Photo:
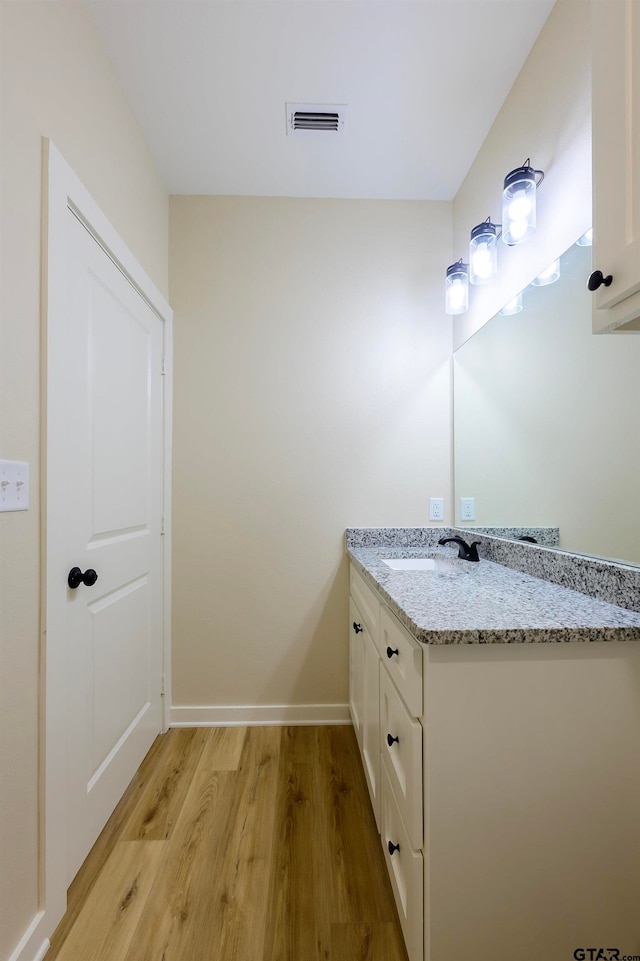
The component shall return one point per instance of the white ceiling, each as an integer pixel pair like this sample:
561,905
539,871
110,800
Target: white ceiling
424,79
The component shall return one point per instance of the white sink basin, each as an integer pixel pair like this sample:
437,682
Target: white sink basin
421,564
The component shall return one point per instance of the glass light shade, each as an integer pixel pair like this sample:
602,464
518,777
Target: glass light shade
513,306
483,253
548,276
587,239
519,205
457,288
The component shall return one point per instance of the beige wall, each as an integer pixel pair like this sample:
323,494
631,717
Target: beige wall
546,117
56,82
311,393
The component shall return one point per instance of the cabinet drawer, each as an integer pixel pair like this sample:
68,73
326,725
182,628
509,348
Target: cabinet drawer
405,868
402,656
367,601
402,758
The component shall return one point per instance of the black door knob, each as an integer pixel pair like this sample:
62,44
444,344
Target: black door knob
392,740
393,848
597,279
358,628
391,651
76,578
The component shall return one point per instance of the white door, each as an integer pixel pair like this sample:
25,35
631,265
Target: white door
111,382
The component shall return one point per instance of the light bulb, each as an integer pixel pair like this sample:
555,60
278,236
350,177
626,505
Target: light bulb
513,306
518,229
519,204
548,276
483,253
520,207
587,238
457,288
482,262
456,294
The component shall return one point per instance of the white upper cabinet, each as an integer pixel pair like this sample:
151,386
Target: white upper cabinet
616,162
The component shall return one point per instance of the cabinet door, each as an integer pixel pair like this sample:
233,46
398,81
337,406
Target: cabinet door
616,162
357,631
406,871
371,723
401,753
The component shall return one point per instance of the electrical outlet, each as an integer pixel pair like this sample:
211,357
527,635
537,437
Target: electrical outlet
436,508
467,508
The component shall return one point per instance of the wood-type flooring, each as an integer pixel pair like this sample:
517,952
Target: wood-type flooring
237,844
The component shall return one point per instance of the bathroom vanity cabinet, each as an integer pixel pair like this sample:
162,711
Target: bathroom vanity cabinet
616,163
506,782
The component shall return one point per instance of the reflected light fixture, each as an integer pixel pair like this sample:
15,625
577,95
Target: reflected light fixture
548,276
457,288
587,239
483,252
519,203
513,306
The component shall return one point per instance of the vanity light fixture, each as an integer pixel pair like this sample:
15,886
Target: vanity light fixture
587,239
483,252
519,203
548,276
457,288
513,306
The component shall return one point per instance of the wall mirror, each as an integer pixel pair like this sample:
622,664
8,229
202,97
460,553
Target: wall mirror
547,421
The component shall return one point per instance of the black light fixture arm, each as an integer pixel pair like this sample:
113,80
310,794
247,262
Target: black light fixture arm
491,224
539,174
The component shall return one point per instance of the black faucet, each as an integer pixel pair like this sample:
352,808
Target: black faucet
468,552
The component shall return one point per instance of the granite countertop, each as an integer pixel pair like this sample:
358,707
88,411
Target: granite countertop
487,603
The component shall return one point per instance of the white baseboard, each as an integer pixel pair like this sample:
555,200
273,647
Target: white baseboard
253,715
44,947
32,945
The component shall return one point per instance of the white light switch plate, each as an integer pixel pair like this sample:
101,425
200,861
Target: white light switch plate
14,485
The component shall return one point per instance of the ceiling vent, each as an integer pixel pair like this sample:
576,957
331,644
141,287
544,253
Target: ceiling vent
305,119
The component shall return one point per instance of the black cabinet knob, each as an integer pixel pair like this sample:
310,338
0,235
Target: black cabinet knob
597,279
76,578
391,652
393,848
358,628
392,740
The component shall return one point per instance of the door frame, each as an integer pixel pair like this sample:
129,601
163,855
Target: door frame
62,190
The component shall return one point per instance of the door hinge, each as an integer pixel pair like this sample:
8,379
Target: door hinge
162,366
162,690
162,525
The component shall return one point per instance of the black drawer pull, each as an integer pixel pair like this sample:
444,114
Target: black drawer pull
393,848
392,740
597,279
391,652
358,628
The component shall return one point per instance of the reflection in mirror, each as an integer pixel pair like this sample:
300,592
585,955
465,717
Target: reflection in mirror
547,421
